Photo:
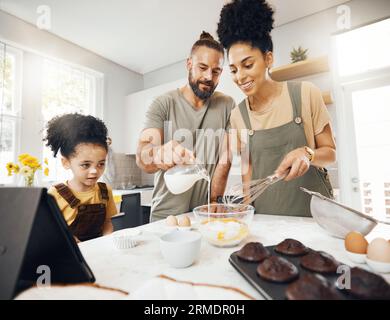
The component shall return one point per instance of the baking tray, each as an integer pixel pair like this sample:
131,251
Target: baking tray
270,290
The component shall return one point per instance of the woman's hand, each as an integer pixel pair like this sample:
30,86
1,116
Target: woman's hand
297,162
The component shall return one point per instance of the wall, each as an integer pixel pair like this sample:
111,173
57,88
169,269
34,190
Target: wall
313,32
126,171
118,81
166,74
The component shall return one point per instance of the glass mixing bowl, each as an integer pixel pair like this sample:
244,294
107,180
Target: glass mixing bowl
224,225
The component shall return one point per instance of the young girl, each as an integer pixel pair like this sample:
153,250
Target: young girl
87,205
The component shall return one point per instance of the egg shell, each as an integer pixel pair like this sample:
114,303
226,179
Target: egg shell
356,243
171,221
379,250
184,221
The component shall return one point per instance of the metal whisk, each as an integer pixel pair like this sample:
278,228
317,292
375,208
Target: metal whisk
246,193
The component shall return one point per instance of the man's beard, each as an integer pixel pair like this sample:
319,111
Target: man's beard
195,86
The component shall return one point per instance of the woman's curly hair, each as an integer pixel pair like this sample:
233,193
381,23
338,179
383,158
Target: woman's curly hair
65,132
246,21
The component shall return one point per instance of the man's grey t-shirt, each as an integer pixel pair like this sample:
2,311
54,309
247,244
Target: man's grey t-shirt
184,123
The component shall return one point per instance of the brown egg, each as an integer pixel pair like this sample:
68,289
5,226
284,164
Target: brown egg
184,221
356,243
379,250
171,221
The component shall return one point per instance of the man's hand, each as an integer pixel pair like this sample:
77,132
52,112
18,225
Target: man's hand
297,162
171,154
153,156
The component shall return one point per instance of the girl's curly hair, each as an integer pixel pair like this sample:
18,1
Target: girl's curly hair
248,21
65,132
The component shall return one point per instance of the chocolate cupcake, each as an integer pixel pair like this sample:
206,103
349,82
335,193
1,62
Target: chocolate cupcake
291,247
319,261
312,286
277,269
368,285
253,252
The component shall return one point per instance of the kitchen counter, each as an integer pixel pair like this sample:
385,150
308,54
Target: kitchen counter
131,269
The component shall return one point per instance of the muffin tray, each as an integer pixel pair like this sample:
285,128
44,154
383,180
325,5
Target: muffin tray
270,290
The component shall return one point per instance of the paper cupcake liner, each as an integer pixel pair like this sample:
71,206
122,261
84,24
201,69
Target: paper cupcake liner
125,241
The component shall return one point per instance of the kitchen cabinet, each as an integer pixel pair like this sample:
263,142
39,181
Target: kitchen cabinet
137,105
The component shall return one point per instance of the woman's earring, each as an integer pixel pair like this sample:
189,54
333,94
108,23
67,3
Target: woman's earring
269,73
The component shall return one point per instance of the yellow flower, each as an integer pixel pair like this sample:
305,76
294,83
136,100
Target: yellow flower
46,162
23,156
26,171
16,168
32,162
10,167
46,172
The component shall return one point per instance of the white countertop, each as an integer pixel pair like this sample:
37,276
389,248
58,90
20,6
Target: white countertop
131,269
130,191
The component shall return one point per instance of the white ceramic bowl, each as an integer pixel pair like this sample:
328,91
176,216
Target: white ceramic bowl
356,257
126,238
381,267
180,248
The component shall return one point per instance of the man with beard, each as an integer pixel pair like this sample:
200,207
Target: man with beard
186,123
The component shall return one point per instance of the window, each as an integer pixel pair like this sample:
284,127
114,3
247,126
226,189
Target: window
66,89
358,56
364,88
10,101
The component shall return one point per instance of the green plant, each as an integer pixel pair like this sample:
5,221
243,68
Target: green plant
298,54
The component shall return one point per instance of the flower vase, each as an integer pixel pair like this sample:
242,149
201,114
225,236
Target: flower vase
27,181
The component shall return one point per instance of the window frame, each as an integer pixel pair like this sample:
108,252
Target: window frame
16,114
340,82
97,99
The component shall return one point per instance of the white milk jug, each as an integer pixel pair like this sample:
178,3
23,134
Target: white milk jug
181,178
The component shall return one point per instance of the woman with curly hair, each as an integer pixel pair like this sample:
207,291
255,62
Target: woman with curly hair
287,124
86,204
